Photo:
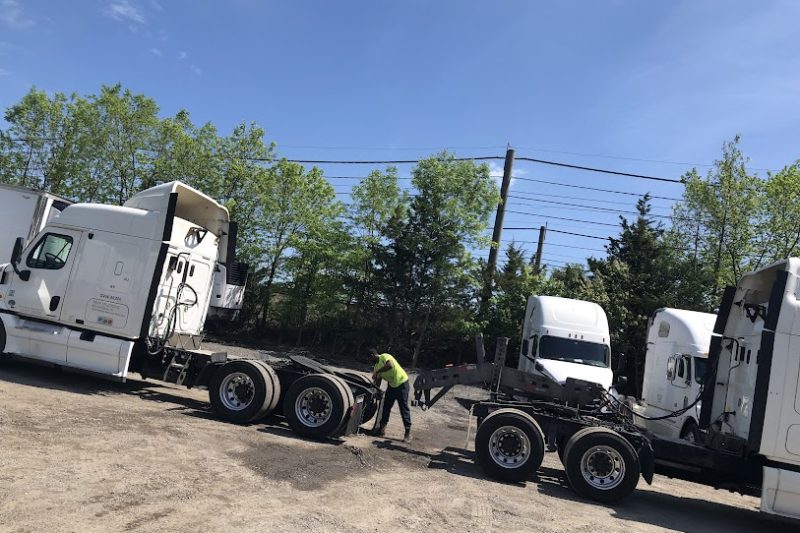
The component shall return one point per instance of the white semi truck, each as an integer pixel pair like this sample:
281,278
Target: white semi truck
562,338
24,212
674,372
749,417
112,290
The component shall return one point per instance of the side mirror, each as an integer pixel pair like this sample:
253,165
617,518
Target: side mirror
671,367
622,363
621,381
525,346
17,251
24,275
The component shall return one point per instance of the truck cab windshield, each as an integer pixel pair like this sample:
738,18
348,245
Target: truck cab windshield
573,351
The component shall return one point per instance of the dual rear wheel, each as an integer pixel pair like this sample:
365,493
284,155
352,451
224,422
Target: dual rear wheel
600,464
315,406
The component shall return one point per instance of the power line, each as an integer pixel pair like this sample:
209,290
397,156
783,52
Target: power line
560,218
601,170
578,234
595,208
479,158
594,188
531,196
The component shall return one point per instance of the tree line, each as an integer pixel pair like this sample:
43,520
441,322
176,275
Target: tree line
394,267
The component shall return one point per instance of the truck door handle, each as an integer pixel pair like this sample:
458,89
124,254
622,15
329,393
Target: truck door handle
54,301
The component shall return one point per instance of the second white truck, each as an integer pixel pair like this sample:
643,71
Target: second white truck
565,338
674,372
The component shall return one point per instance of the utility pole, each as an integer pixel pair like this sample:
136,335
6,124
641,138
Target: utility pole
498,230
539,248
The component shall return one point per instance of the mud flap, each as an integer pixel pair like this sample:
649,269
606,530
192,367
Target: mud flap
647,462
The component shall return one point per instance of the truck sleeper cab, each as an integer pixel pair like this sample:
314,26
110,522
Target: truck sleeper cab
99,283
674,372
563,338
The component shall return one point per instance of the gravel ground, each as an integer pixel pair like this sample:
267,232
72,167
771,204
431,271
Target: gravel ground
82,454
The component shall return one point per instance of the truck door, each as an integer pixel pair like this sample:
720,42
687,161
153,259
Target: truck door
48,263
49,260
681,381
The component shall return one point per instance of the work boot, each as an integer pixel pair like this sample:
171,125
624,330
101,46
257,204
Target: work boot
407,437
380,431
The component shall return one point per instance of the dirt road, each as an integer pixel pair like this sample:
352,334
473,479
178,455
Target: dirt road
82,454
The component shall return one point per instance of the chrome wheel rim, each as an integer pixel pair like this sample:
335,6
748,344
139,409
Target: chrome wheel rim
509,447
237,391
602,467
313,407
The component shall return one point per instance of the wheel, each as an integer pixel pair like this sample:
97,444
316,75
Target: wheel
241,391
691,432
316,405
509,445
601,465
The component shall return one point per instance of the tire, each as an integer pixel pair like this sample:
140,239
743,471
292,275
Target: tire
349,401
601,465
276,387
691,432
509,445
316,405
241,391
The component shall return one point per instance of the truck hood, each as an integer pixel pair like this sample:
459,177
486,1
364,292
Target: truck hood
560,370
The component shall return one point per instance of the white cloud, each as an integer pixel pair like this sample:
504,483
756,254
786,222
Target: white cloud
156,52
196,70
156,6
11,14
124,11
4,72
496,171
182,55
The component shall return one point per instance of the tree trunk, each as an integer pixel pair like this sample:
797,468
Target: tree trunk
422,332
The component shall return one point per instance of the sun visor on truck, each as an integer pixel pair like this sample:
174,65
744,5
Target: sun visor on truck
191,205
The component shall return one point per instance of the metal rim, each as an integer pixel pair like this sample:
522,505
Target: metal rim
237,391
313,407
509,447
603,467
690,437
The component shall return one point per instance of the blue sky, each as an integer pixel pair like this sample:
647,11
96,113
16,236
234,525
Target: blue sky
614,83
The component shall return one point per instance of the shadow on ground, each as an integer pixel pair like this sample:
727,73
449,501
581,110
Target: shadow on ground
644,506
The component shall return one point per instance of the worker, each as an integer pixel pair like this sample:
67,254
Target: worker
387,368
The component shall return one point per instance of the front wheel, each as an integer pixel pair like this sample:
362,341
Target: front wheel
690,432
601,465
509,445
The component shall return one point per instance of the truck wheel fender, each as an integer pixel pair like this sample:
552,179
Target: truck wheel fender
647,462
2,337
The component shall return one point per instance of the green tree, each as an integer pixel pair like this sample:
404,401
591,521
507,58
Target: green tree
292,202
718,217
778,232
644,272
450,212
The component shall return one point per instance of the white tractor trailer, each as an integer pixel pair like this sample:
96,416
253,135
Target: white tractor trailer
112,290
748,434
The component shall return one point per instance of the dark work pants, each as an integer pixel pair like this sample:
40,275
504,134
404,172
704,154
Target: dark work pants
400,395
